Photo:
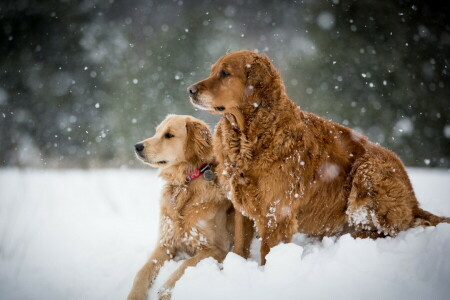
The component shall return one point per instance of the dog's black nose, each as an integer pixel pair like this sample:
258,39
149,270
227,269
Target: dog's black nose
192,90
139,147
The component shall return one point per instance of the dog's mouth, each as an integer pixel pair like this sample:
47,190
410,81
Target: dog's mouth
139,155
146,160
198,104
156,163
202,106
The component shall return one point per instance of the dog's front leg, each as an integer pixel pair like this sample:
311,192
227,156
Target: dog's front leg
148,272
243,234
238,233
166,290
273,232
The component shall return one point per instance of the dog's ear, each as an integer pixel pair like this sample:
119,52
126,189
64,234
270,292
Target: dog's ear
261,73
198,141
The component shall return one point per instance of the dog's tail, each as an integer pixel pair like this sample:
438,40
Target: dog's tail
425,218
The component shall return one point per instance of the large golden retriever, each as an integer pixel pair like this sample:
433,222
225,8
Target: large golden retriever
293,171
196,218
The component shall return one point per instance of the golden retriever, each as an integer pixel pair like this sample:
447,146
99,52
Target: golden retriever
293,171
196,218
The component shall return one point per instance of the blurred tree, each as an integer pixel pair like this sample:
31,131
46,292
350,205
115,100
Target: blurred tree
387,64
48,94
81,82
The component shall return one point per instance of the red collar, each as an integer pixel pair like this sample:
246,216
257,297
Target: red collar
197,173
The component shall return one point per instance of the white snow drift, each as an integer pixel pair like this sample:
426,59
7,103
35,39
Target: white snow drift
84,234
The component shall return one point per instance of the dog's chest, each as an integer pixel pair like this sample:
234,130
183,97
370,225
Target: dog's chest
181,226
247,178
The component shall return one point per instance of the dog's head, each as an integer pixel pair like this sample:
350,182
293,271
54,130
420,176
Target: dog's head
236,80
177,139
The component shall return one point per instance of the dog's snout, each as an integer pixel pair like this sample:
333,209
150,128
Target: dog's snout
192,90
139,147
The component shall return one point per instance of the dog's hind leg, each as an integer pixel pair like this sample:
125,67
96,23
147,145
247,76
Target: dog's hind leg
381,201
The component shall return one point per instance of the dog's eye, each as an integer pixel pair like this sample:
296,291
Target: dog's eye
224,74
168,135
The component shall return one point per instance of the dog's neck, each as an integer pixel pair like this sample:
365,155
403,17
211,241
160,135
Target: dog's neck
257,104
176,174
179,189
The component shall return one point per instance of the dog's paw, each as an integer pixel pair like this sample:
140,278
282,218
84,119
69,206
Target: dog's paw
164,293
137,295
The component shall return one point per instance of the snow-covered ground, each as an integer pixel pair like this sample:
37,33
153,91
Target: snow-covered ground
84,234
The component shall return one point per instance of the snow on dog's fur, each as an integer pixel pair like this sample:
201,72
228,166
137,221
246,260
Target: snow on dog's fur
196,218
293,171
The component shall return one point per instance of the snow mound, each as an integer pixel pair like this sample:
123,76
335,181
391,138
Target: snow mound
414,265
84,234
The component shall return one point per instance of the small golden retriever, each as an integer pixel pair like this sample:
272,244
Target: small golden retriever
196,218
293,171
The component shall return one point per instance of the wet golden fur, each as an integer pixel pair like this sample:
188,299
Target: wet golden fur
293,171
195,218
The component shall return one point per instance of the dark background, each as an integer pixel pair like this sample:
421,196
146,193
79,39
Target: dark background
82,81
